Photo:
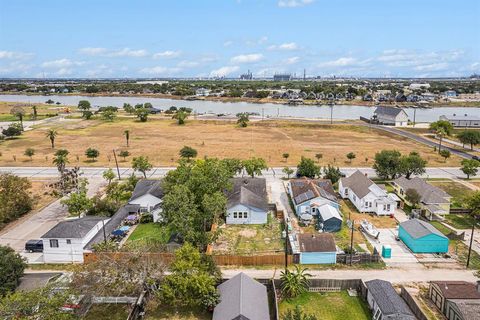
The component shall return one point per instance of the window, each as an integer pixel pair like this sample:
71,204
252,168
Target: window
369,204
235,215
354,198
346,192
245,215
388,207
69,241
53,243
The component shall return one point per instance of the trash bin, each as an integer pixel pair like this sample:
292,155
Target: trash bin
386,251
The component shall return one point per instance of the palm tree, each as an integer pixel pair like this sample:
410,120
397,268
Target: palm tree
126,133
440,133
294,282
52,134
60,161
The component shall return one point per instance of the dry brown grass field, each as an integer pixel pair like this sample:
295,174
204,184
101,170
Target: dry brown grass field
160,140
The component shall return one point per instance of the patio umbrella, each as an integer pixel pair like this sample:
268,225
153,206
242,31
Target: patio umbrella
132,217
124,228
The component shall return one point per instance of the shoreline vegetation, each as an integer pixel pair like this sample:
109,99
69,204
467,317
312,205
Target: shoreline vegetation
354,102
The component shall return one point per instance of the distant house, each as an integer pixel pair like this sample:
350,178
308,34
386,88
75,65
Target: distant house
365,195
391,116
422,237
242,298
400,97
385,303
202,92
247,203
148,196
450,93
309,194
65,242
329,218
433,200
316,248
462,120
457,300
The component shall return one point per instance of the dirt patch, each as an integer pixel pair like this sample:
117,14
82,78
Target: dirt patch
248,233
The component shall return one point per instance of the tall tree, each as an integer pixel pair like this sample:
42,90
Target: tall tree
109,175
84,106
92,153
445,154
471,137
387,164
242,119
332,173
307,168
288,171
60,159
412,164
12,266
78,202
141,164
180,116
126,133
52,135
15,198
18,112
441,128
142,114
254,166
470,167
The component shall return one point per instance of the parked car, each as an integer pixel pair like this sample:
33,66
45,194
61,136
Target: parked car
34,246
476,158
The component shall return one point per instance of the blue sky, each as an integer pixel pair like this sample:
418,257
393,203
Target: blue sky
204,38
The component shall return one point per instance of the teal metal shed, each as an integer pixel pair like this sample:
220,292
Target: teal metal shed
422,237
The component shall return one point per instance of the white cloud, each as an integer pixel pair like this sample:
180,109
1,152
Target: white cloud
289,46
169,54
63,72
340,62
15,68
160,70
294,3
14,55
224,71
432,67
125,52
247,58
292,60
60,63
188,64
227,43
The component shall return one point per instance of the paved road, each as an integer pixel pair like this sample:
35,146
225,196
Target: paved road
96,172
33,226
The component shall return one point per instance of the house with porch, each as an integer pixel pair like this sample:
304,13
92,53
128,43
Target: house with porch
308,195
365,195
433,200
247,202
148,195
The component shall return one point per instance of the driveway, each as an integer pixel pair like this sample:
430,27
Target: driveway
400,253
34,226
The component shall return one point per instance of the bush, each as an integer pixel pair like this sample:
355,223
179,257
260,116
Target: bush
146,218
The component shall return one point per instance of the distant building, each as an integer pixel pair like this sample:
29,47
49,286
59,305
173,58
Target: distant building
462,120
202,92
282,77
416,86
391,116
246,76
450,93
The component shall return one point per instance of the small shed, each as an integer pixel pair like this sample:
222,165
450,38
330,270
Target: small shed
242,297
329,219
422,237
317,248
385,303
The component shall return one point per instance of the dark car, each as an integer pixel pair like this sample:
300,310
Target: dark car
476,158
34,246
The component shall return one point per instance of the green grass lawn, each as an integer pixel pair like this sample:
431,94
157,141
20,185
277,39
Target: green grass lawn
329,306
459,221
251,239
443,229
461,250
457,190
149,233
170,313
108,311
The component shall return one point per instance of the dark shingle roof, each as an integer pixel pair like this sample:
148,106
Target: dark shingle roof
418,228
390,111
358,183
76,228
251,192
458,289
146,186
310,242
241,297
305,189
387,299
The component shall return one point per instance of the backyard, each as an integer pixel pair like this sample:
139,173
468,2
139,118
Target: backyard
108,311
455,189
266,139
250,239
171,313
149,235
328,306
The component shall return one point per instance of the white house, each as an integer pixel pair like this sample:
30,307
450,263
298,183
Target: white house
310,194
391,116
65,242
148,196
202,92
247,202
365,195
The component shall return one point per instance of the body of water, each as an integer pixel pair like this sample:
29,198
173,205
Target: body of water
340,112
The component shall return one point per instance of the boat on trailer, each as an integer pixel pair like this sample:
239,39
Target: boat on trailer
369,229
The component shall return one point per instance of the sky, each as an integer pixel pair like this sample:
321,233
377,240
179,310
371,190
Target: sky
216,38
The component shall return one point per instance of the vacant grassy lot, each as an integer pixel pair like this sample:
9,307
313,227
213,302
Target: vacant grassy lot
170,313
457,190
108,311
161,139
250,239
43,110
329,306
459,221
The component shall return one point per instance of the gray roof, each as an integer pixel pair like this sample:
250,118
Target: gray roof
75,228
462,116
312,242
112,224
418,228
146,186
242,298
387,299
358,183
250,192
305,189
428,193
389,111
470,309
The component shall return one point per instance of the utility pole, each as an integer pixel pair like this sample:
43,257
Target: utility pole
351,242
471,240
116,162
104,234
286,243
414,116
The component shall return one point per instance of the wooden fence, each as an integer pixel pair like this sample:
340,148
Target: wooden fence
460,211
330,285
358,258
412,303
